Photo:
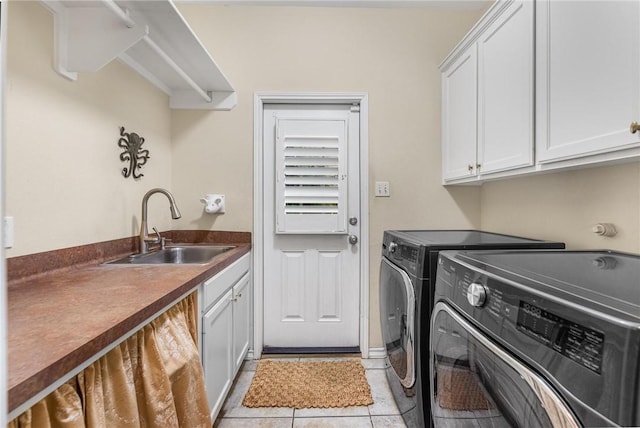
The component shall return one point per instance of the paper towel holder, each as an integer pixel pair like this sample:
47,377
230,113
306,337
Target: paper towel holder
213,203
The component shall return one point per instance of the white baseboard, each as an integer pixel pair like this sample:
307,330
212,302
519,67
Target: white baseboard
377,352
374,353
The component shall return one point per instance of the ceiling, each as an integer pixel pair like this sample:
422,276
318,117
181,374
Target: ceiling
434,4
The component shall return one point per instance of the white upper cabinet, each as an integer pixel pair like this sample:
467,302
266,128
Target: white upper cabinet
151,37
506,91
459,115
556,86
487,96
588,79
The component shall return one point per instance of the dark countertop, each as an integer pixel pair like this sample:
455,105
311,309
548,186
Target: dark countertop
57,321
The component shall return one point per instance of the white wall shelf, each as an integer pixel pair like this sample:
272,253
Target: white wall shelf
151,37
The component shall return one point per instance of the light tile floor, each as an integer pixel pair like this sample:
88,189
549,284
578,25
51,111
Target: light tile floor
382,413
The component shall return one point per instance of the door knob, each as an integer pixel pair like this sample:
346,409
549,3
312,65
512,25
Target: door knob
353,239
634,127
353,221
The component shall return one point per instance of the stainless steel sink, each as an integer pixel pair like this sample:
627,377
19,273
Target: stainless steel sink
186,254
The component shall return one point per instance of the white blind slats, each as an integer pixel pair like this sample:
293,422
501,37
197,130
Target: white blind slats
311,170
311,152
302,171
311,188
309,210
315,161
326,193
319,180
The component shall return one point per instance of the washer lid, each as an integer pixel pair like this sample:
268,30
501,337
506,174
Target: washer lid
471,239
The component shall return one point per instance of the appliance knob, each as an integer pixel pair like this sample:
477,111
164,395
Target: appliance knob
476,294
393,247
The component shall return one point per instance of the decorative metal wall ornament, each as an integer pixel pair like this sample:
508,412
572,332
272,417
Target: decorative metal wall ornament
133,153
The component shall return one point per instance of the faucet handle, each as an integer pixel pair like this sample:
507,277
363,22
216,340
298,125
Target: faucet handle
158,238
161,239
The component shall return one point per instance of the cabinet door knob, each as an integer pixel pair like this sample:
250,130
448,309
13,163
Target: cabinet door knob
634,127
470,167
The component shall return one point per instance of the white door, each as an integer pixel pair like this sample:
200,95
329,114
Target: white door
311,225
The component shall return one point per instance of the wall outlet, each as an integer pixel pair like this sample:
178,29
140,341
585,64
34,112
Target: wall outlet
383,189
7,232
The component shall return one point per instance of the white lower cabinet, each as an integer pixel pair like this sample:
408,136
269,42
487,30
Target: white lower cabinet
217,350
225,329
241,316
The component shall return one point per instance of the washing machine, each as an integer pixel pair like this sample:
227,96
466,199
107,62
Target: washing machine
536,339
407,275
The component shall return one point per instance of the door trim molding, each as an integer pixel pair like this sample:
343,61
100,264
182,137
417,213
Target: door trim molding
259,101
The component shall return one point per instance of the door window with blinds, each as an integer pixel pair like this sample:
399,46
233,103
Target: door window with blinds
311,175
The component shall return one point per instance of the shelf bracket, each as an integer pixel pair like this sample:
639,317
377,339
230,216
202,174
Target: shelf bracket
184,76
122,14
220,100
89,35
88,38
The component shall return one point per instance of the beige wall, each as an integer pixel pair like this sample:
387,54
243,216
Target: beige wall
565,206
393,55
63,174
390,54
63,179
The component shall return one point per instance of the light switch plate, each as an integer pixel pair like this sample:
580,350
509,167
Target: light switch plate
7,232
383,189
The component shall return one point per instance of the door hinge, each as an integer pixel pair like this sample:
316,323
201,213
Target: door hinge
355,108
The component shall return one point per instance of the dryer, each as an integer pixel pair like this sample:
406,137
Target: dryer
536,339
407,275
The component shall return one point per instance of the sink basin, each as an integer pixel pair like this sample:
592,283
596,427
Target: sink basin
175,255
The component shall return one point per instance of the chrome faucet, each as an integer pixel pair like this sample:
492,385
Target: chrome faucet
145,240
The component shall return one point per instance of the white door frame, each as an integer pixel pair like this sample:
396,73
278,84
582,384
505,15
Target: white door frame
259,101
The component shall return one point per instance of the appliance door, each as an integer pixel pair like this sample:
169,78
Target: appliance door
397,311
474,379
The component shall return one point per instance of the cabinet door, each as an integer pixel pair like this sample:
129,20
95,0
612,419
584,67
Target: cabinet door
241,316
459,116
506,90
217,344
587,77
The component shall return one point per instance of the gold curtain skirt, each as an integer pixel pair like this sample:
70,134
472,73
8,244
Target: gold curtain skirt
153,379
